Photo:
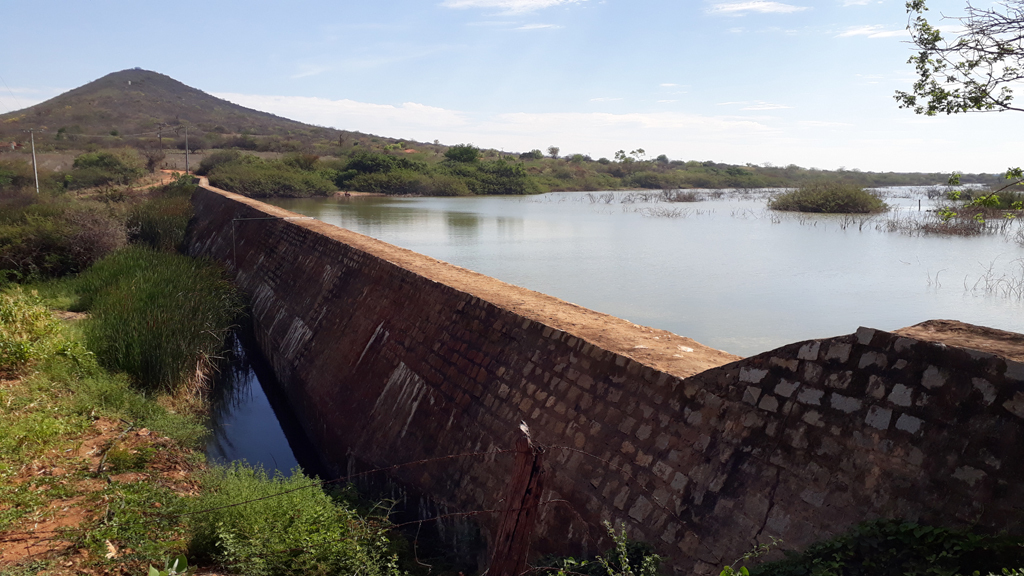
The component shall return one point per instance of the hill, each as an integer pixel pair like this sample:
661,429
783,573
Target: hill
150,111
142,104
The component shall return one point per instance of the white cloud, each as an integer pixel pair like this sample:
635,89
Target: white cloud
605,99
847,3
668,85
871,31
739,8
350,114
667,101
539,27
509,6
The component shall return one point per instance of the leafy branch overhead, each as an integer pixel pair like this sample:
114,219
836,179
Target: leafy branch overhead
972,72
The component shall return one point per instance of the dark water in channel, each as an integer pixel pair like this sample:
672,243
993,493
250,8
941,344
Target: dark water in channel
250,419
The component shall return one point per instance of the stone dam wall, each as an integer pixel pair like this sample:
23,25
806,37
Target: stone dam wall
392,357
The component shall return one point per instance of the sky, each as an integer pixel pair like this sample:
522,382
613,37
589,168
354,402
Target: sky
799,82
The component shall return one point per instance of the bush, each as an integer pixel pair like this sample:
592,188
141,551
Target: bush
48,237
160,223
160,317
891,547
27,330
463,153
120,167
829,197
294,529
256,178
215,159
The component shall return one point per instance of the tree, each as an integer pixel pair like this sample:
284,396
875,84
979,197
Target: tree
463,153
974,71
553,151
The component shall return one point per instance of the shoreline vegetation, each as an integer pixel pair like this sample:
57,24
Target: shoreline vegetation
374,166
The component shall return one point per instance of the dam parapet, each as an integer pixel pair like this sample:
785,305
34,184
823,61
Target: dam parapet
393,357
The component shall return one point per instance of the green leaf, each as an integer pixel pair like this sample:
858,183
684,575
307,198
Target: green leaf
153,571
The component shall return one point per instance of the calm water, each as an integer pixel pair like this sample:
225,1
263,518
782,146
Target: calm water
726,271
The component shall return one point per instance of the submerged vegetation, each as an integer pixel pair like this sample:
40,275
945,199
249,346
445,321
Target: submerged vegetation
829,197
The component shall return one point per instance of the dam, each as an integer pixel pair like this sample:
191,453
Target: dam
393,357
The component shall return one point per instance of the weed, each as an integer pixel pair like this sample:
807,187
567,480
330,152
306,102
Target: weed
27,330
892,547
299,531
160,317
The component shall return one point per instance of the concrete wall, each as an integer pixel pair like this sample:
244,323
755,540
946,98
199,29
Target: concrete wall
394,357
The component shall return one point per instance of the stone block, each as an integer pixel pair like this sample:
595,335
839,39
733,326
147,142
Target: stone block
878,417
839,352
908,423
752,375
785,388
1014,371
812,372
933,377
810,396
790,364
839,380
988,391
769,403
901,395
845,403
876,387
865,335
809,351
1016,405
876,359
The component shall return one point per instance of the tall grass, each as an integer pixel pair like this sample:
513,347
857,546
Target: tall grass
160,222
295,529
162,318
28,331
830,197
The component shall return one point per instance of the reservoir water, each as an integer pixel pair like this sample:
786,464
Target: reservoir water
725,271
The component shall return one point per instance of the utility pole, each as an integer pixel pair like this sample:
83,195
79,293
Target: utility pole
186,148
35,170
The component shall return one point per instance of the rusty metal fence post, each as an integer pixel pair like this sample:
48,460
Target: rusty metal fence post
512,543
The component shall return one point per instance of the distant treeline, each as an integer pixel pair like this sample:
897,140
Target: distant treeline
435,170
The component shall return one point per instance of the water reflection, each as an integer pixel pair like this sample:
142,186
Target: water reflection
249,419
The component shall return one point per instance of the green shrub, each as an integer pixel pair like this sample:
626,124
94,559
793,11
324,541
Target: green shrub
160,317
160,223
463,153
829,197
894,548
294,529
50,237
119,167
257,178
211,161
28,330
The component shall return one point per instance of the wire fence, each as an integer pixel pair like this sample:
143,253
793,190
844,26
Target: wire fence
38,538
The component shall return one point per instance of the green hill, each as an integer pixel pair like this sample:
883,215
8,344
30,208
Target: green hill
136,104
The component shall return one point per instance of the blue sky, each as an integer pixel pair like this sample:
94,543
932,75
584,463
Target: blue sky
795,82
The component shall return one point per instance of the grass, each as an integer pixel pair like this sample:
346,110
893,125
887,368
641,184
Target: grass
162,318
301,531
829,197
